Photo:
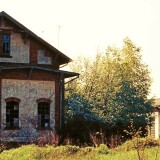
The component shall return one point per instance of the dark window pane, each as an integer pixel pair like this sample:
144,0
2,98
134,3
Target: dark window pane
12,114
43,114
6,44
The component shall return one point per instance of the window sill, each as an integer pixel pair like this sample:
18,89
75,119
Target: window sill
43,128
12,128
5,56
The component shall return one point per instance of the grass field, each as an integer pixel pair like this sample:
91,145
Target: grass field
33,152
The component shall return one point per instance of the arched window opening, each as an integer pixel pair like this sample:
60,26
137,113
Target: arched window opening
43,115
12,114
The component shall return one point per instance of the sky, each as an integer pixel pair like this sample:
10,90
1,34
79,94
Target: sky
81,27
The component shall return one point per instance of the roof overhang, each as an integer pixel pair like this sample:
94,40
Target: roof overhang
66,74
65,59
156,109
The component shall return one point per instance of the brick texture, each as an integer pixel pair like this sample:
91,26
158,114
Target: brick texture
29,45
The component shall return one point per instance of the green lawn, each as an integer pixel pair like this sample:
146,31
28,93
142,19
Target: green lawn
33,152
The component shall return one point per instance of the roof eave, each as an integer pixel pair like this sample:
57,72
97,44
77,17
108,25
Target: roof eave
66,74
67,59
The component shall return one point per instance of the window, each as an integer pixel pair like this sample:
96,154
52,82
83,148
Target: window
6,44
12,114
43,115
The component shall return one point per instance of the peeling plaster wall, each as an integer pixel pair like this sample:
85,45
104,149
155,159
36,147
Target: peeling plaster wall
157,125
42,59
18,49
28,92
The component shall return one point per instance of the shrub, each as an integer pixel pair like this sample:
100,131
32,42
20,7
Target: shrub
50,138
78,130
72,149
86,150
102,149
141,143
2,147
97,138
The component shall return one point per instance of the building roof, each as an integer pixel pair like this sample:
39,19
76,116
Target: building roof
157,102
65,59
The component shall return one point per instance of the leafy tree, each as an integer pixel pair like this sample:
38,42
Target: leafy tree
78,105
132,81
130,106
80,119
116,84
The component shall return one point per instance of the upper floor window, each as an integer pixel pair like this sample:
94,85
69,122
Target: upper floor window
6,44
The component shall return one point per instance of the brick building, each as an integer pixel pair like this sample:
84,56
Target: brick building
31,83
155,128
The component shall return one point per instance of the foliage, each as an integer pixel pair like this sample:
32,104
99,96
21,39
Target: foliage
115,85
2,147
72,149
138,143
98,138
147,142
50,138
130,106
78,110
77,105
77,131
34,152
102,149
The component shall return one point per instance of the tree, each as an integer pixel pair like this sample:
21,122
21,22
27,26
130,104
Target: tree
80,119
78,105
116,83
133,83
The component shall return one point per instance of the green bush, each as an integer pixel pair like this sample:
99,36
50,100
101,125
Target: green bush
72,149
86,150
34,152
138,143
102,149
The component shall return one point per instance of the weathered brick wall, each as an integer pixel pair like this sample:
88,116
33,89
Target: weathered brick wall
21,83
154,130
23,74
157,125
42,58
18,49
26,49
28,92
39,54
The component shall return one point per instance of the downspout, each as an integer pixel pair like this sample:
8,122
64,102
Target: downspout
61,98
72,79
61,86
0,105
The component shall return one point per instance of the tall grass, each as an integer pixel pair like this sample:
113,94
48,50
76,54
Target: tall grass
68,152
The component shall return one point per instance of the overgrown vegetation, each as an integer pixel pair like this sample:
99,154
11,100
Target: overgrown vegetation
112,90
33,152
106,112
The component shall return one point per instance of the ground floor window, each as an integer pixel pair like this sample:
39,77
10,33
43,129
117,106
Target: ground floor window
43,115
12,114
